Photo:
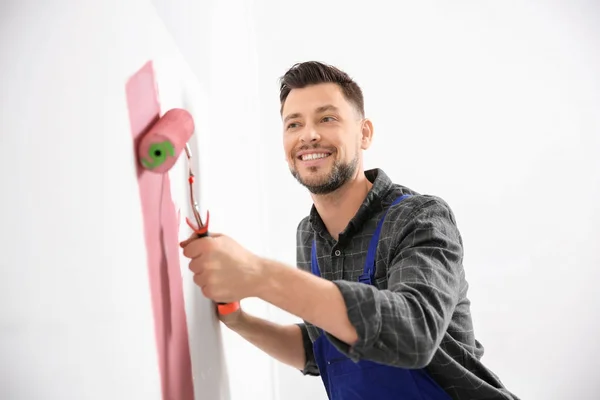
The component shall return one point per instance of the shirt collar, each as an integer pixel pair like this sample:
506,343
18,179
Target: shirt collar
373,203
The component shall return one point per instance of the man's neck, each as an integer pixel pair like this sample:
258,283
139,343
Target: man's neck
338,208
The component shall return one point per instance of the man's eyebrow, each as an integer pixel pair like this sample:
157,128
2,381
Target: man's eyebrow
291,116
327,107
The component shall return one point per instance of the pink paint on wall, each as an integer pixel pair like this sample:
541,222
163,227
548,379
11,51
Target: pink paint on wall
161,237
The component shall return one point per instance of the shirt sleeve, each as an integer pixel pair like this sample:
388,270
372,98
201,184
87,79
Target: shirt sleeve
404,324
310,367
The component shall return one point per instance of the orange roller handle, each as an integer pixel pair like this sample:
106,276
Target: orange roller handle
228,308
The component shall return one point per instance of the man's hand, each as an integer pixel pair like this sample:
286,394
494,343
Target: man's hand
224,270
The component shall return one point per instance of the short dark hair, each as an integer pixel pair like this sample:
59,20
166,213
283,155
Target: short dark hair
309,73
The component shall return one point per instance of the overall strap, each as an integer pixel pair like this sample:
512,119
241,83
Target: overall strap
369,271
314,264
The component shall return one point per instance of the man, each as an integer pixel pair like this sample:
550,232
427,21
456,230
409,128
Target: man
380,284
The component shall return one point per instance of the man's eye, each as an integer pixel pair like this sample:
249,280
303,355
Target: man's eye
292,125
328,119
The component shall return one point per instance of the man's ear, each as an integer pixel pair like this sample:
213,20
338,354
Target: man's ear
367,134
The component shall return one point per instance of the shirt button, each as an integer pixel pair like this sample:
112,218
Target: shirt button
337,253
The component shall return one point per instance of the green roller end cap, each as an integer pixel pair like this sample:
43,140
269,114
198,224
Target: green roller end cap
158,153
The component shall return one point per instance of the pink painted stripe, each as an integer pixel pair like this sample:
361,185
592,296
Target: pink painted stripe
161,236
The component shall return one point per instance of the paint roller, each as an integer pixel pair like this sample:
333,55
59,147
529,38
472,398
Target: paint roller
159,150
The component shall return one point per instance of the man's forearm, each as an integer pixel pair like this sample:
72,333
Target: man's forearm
282,342
309,297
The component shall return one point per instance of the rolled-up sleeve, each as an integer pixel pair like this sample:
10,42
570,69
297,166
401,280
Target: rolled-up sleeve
310,366
404,324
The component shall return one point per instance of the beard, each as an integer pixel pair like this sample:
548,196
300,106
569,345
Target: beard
340,174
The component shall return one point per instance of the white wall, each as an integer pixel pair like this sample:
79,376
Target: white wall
75,314
492,107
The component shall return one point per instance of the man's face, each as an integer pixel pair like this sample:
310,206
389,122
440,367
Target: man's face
322,137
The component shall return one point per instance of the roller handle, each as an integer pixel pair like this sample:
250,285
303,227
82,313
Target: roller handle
228,308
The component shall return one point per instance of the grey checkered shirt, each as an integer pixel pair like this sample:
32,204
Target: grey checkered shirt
417,315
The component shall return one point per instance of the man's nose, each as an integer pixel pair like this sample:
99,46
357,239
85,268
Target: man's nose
309,134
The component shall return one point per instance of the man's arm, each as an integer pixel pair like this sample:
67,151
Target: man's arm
307,296
402,325
286,343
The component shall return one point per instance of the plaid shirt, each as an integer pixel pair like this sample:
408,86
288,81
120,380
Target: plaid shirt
417,315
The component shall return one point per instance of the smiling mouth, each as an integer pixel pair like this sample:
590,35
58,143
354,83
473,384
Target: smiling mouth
313,156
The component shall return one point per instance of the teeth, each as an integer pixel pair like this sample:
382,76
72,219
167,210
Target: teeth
313,156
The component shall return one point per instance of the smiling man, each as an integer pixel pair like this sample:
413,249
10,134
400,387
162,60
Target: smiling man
380,283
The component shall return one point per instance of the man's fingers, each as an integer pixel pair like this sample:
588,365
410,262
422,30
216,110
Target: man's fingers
196,247
194,236
186,242
189,240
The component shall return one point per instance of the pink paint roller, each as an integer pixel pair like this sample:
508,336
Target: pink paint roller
159,150
161,146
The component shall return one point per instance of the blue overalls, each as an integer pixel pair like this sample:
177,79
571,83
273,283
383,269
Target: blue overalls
366,380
